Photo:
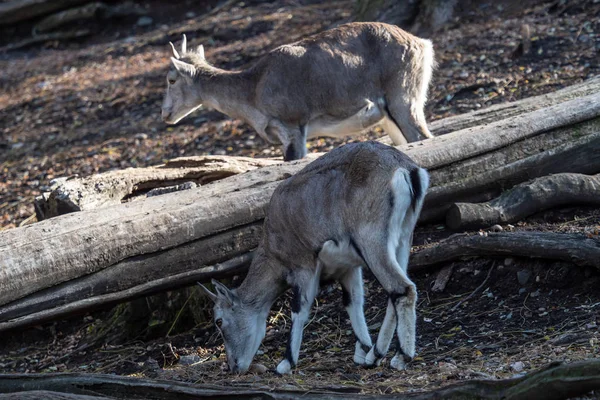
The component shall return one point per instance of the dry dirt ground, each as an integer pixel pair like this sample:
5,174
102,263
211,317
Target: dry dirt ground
78,108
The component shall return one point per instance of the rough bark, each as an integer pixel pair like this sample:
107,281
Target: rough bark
579,156
15,11
526,199
556,381
49,395
115,187
574,248
141,234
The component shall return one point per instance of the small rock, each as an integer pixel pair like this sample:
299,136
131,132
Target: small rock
535,294
447,368
509,261
510,227
592,325
190,14
517,366
189,360
144,21
257,369
141,136
522,291
496,228
523,276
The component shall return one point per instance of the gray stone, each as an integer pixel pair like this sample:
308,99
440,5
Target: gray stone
517,366
145,21
523,276
189,360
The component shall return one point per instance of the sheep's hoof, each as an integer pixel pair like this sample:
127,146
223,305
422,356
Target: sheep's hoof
371,360
284,368
398,362
359,354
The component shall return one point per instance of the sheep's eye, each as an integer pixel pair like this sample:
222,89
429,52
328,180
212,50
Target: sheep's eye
171,81
219,322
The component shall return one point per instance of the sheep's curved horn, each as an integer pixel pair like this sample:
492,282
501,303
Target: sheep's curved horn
175,53
184,45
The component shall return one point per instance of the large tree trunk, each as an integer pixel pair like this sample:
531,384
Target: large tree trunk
90,254
556,381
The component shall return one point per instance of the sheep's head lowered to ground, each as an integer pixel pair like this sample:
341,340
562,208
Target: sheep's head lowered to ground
182,97
242,329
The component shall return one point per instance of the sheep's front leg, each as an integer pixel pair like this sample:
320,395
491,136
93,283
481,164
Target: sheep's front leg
293,139
304,289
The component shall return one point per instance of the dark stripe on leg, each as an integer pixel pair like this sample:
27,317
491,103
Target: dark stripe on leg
400,352
346,299
366,348
290,153
288,350
417,189
296,300
395,296
389,114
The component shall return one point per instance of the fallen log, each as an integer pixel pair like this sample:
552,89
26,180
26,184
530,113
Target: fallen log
526,199
577,156
574,248
554,382
15,11
502,111
89,11
49,395
113,239
46,37
115,187
59,303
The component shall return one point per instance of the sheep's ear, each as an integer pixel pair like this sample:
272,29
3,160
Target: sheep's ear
183,67
210,294
175,53
200,51
184,45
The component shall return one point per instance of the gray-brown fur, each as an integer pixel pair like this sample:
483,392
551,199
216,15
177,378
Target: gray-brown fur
354,207
336,83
